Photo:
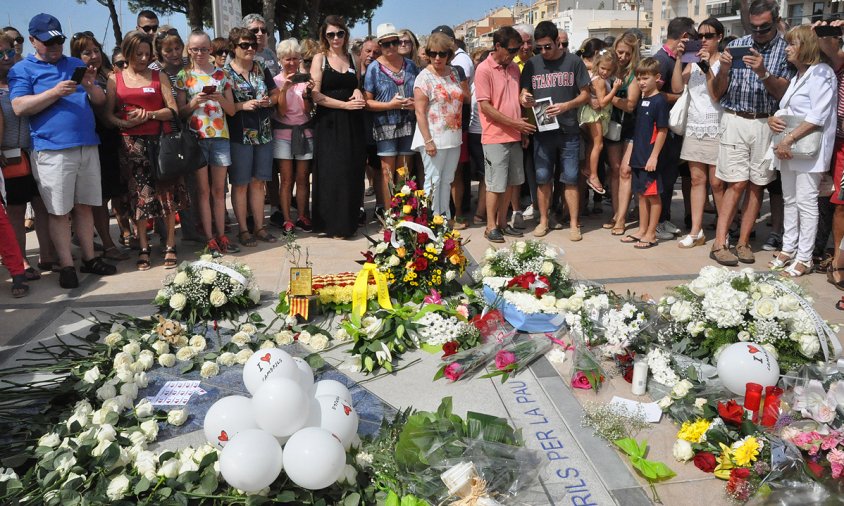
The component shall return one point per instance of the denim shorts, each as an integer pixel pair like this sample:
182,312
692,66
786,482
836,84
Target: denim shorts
395,147
556,149
283,150
250,162
217,151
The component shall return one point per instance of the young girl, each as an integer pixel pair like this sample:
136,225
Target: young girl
594,117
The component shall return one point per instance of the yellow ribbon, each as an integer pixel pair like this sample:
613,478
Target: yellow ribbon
360,288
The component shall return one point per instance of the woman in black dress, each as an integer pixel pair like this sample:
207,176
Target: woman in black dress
340,149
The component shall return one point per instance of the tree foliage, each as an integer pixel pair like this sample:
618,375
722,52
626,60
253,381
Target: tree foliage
190,8
301,18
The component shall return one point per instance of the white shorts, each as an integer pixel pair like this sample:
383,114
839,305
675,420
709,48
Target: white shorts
283,150
741,153
68,176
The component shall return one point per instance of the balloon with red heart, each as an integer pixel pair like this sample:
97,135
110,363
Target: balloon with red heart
267,364
337,417
227,417
743,363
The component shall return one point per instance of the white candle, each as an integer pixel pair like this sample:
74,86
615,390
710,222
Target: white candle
640,377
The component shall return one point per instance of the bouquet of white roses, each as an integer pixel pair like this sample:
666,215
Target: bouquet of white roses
527,257
210,289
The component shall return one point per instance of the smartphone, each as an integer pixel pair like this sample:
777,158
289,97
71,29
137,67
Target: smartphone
690,53
704,66
828,31
79,74
209,89
300,77
739,52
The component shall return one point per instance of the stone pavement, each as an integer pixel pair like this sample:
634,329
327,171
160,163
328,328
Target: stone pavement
581,469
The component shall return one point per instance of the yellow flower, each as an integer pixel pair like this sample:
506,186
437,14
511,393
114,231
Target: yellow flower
725,463
407,209
402,171
455,234
693,431
399,195
420,193
401,251
455,259
746,451
438,219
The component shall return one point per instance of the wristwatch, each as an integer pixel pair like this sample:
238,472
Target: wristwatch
152,115
766,76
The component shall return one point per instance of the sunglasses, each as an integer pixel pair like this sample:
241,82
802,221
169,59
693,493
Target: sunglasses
79,35
55,41
708,35
19,39
335,35
221,52
8,53
435,54
122,64
169,32
307,61
762,29
564,44
258,30
389,43
545,47
150,28
248,45
405,42
199,50
513,50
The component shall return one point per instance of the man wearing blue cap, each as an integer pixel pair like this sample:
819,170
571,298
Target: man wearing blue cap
67,165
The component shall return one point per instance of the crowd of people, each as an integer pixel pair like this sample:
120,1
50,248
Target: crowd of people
315,126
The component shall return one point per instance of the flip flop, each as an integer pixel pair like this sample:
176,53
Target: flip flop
629,239
831,278
32,274
618,231
600,191
608,225
645,244
840,304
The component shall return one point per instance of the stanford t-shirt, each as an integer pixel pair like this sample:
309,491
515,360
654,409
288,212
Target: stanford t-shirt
560,79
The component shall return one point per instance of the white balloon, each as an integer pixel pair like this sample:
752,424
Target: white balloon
306,375
314,414
281,407
332,387
251,461
313,458
743,363
267,364
226,418
339,418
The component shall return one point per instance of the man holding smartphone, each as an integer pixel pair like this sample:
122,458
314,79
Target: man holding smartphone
750,93
67,163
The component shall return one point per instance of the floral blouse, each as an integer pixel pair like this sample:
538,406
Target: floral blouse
251,127
445,109
209,120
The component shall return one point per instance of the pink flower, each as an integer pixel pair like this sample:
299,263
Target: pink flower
505,360
453,371
433,298
462,310
580,381
836,460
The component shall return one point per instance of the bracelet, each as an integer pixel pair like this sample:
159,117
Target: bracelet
429,141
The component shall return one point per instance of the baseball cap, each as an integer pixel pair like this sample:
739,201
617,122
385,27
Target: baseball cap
444,29
45,27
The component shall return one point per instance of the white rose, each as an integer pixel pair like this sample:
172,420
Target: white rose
141,379
380,248
118,487
129,390
98,417
342,335
145,464
284,338
106,392
241,339
700,402
487,271
770,348
92,375
349,476
209,369
249,329
217,298
186,353
242,356
198,343
161,295
123,360
178,301
132,348
208,276
144,409
106,432
206,258
319,342
305,337
406,190
177,417
765,307
267,344
83,407
547,268
64,462
167,360
809,345
50,440
682,450
161,347
254,295
169,469
150,429
520,246
180,279
450,275
665,402
393,261
186,465
101,447
681,389
226,359
112,339
138,438
575,303
744,336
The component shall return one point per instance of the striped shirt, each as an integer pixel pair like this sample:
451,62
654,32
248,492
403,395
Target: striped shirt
746,92
839,128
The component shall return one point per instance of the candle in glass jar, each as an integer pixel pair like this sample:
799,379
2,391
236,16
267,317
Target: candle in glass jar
771,410
753,399
640,377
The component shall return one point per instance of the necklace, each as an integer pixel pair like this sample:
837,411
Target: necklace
396,77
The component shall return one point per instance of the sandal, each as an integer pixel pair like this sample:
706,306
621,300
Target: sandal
596,188
143,263
97,266
115,254
780,260
170,261
797,268
33,275
618,231
246,239
19,286
840,304
610,224
830,277
478,220
49,266
265,236
629,238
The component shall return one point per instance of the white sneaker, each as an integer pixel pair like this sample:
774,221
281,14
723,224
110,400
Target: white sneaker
518,220
528,212
662,234
670,227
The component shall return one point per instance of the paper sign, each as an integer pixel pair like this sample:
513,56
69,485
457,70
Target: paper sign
301,281
651,410
176,393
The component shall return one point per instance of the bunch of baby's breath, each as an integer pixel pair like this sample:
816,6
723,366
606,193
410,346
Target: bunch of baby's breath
613,422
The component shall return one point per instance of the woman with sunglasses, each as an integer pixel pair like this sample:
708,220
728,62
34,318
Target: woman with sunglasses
439,95
701,141
388,88
256,24
84,46
204,96
220,51
409,46
141,115
255,94
17,41
340,149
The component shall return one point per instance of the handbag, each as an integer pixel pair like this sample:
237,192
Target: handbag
177,154
17,164
679,114
808,146
614,129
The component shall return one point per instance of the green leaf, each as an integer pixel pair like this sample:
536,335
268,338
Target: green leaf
352,499
392,499
142,486
368,363
256,317
187,367
316,361
209,483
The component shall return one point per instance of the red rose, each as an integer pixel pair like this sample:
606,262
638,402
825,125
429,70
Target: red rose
421,237
705,461
450,348
627,373
539,292
412,185
731,412
420,264
448,245
817,469
388,234
740,473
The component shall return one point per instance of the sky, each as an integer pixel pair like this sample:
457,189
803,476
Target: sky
420,17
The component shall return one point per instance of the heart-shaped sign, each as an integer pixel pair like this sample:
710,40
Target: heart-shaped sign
347,409
752,349
223,436
266,358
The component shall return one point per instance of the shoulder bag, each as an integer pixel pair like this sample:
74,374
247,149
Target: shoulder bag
808,146
177,154
680,113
